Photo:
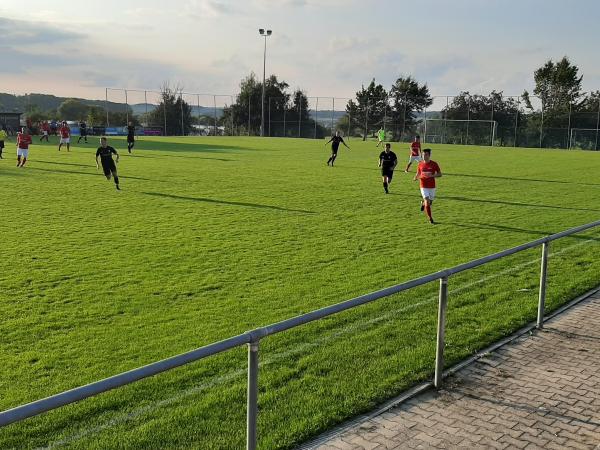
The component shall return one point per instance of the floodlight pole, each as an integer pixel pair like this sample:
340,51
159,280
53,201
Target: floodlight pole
264,34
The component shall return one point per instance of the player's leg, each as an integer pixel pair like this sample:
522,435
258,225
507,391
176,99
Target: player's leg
18,157
384,178
333,157
115,175
409,164
69,146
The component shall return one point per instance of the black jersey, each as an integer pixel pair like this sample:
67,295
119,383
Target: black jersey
130,130
388,159
335,142
82,125
105,153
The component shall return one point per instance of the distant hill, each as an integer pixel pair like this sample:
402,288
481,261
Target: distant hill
45,102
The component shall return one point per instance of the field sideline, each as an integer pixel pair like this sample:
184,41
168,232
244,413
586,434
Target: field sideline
213,236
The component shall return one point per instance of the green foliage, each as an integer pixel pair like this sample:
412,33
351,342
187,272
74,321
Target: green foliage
558,85
73,109
173,113
409,98
211,237
370,108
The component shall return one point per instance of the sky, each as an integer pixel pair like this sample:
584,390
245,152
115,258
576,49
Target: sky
325,47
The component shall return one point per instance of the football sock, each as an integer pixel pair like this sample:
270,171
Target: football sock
116,180
24,161
428,211
385,186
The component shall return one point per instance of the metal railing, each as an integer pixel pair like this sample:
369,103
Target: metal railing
252,339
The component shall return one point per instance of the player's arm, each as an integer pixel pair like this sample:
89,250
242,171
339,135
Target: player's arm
437,173
344,142
418,174
115,153
395,164
328,141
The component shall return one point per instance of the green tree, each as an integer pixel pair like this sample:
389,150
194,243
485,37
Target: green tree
72,109
173,110
370,108
409,98
96,116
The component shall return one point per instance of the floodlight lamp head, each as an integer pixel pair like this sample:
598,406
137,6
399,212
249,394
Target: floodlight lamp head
269,32
261,31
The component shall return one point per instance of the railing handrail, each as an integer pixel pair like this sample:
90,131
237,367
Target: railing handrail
252,337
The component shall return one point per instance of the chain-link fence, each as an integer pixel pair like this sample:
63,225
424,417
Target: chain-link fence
493,120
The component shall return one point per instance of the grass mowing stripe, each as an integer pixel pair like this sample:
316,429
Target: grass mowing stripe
296,350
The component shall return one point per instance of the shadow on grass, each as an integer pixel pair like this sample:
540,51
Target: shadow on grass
541,233
159,146
499,202
527,205
225,202
496,177
65,163
179,156
75,172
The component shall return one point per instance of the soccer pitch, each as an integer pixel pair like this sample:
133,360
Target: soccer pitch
211,237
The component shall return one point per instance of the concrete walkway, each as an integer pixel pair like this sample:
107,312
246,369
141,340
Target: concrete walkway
542,391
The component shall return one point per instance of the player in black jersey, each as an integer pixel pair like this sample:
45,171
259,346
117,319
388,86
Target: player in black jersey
387,161
82,132
109,167
130,137
335,145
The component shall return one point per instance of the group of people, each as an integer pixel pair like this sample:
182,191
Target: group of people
427,169
104,153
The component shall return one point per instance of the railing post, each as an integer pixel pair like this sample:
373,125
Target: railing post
441,331
543,277
252,407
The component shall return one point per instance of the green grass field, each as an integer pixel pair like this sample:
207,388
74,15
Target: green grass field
211,237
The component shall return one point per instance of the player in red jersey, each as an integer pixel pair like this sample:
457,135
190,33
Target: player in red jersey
427,172
415,152
23,143
45,128
65,136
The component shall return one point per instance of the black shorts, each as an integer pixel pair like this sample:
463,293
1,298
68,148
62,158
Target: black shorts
108,167
334,150
387,172
130,138
83,133
1,144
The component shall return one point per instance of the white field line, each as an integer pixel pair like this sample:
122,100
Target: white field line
215,381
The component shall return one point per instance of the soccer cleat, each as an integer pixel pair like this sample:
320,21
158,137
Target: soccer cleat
118,188
422,206
431,221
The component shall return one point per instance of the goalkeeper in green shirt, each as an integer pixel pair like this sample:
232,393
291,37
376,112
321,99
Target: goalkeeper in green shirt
380,137
3,136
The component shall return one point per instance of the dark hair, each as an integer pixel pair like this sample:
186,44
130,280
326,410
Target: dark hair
387,144
426,150
417,136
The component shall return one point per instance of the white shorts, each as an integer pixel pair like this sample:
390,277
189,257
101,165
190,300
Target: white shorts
65,140
24,152
428,193
412,159
44,133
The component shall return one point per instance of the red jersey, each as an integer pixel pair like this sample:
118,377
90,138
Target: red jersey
23,141
45,126
65,132
430,168
415,148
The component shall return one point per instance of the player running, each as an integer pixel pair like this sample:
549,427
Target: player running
45,128
387,161
109,167
415,152
65,136
427,172
335,140
130,137
3,137
380,137
23,143
82,131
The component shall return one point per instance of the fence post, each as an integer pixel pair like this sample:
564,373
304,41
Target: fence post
542,126
165,114
316,116
517,121
569,126
468,118
106,105
284,109
215,112
597,126
198,101
299,116
332,113
146,103
126,109
441,332
493,119
249,99
252,407
366,121
543,278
